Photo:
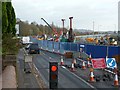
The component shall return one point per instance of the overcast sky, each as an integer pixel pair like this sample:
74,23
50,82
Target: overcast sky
103,12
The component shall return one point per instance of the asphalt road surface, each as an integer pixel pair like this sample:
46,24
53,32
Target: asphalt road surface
66,78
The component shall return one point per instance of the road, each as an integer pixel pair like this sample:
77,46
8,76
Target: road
65,79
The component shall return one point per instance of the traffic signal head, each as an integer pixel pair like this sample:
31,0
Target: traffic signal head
53,75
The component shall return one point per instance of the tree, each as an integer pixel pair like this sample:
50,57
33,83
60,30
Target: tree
8,19
8,29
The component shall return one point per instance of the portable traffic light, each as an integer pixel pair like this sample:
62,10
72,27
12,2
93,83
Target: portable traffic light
53,75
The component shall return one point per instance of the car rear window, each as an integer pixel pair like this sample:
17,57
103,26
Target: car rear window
34,46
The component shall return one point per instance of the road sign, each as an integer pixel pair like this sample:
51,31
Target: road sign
28,58
111,63
82,45
98,63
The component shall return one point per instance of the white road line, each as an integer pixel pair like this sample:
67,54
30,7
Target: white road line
63,66
81,79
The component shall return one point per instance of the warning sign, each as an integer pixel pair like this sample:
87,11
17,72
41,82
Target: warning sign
98,63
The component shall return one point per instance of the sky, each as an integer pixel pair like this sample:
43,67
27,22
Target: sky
104,13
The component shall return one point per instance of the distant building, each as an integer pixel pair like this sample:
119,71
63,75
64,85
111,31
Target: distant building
119,17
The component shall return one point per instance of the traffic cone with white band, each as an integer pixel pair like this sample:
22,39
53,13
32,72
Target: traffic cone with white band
83,65
116,83
91,79
61,63
72,67
88,64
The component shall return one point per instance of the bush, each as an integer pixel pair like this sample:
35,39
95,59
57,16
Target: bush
9,45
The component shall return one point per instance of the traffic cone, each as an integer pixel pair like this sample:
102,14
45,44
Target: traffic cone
72,67
90,57
116,83
74,61
88,64
61,63
91,76
83,65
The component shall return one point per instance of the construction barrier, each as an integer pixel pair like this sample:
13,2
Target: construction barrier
96,51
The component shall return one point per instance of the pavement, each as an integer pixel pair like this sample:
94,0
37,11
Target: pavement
27,78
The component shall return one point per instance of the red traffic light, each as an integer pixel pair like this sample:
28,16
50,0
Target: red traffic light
54,68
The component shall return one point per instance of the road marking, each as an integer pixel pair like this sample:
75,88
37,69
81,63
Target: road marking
63,66
81,79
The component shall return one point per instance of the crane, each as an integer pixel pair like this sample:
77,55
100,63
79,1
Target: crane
49,25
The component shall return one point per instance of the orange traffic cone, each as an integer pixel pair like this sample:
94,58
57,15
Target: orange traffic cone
72,67
61,63
91,76
116,83
88,64
83,65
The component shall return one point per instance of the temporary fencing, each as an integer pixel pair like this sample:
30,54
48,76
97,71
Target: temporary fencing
97,51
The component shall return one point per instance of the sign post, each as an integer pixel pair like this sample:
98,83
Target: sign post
28,59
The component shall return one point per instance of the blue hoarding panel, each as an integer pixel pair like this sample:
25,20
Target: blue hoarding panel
113,50
73,47
50,45
68,46
96,51
63,45
56,45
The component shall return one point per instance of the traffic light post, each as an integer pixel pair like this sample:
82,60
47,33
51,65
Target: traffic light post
53,75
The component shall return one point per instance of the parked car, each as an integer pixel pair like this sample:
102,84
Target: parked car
32,48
